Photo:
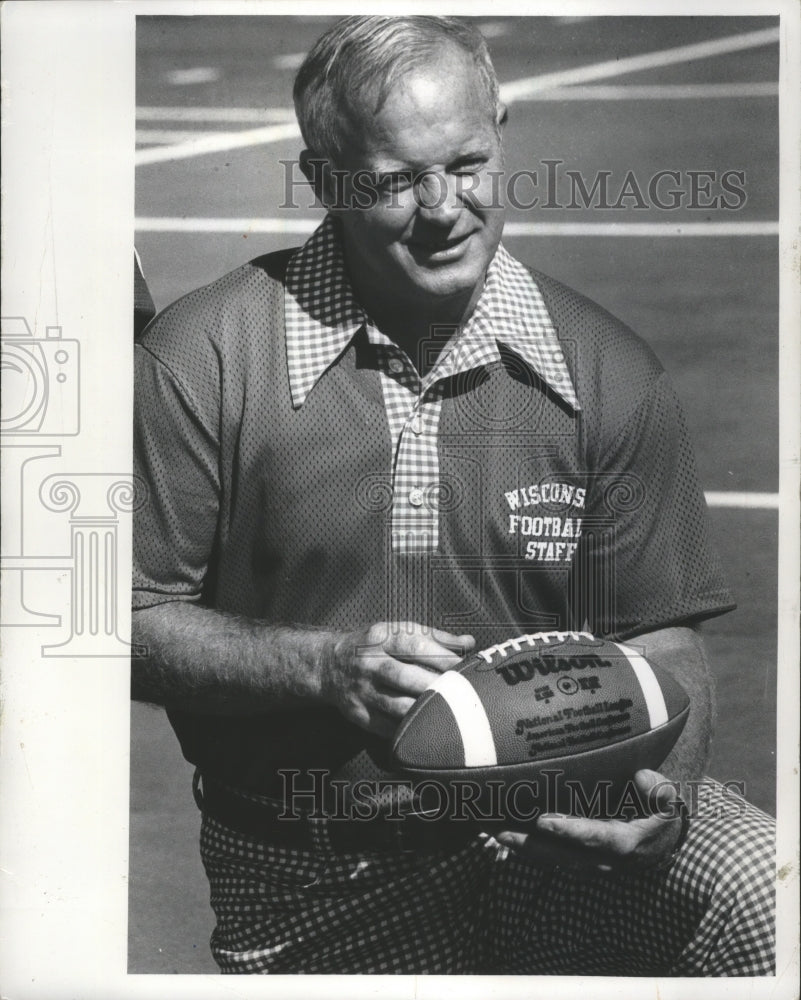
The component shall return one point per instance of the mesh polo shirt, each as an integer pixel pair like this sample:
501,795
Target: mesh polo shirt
563,495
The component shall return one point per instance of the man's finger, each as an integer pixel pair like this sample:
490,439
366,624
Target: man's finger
461,644
514,839
661,795
408,678
423,650
592,834
604,840
545,850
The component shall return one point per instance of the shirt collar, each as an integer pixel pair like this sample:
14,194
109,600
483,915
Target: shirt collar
322,316
512,311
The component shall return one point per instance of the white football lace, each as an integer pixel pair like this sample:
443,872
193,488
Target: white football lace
502,648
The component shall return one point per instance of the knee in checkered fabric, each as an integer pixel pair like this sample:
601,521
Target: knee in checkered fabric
712,914
728,868
290,910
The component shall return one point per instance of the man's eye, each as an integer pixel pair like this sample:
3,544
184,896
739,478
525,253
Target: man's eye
398,181
468,169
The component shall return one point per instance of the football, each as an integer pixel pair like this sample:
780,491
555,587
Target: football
559,715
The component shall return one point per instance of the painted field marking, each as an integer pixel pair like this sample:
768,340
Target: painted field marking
247,116
743,501
511,230
659,92
217,143
493,29
518,90
289,60
170,136
207,225
189,77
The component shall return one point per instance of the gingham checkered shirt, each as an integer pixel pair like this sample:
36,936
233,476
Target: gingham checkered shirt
322,316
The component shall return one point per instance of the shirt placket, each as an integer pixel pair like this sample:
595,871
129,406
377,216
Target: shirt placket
413,407
416,486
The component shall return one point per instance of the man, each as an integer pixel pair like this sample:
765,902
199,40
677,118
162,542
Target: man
357,452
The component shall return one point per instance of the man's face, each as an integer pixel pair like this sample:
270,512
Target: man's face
436,220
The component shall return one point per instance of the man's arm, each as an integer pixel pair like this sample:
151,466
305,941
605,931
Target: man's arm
681,651
202,660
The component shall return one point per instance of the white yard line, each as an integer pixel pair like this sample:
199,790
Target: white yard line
518,90
640,229
209,225
493,29
289,60
515,90
171,136
511,230
192,76
743,501
245,116
217,143
659,92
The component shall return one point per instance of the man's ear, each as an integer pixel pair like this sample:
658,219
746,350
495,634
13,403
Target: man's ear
501,115
317,171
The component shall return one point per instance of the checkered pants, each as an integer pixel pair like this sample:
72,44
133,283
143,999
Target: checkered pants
486,910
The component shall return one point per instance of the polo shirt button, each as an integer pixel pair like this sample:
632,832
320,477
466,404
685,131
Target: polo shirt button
416,496
396,366
417,424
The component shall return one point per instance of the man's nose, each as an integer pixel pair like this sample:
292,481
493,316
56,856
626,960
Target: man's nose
438,199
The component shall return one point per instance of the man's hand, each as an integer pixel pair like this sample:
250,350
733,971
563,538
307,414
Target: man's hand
374,675
201,660
606,845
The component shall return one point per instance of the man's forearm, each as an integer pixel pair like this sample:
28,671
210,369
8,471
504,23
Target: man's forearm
682,653
204,660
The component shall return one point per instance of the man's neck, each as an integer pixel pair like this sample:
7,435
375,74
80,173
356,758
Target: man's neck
422,331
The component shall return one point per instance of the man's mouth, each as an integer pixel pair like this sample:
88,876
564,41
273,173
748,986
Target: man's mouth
439,250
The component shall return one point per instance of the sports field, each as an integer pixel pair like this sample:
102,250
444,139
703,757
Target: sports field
688,260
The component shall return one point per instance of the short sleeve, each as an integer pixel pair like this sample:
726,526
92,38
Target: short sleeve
645,560
176,454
